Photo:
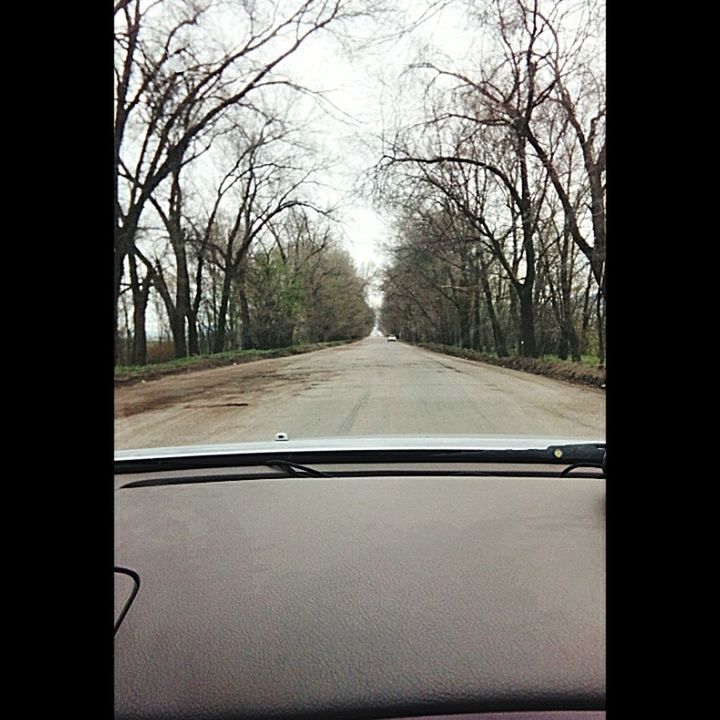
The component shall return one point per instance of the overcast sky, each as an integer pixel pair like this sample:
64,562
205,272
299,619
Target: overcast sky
371,90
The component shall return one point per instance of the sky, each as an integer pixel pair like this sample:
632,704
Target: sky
360,68
369,91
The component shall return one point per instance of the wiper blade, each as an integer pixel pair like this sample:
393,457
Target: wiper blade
219,468
560,454
295,469
587,464
291,469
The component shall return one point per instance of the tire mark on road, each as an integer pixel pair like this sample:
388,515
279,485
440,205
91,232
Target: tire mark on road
352,415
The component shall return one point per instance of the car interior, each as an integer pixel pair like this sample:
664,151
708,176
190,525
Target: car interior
360,585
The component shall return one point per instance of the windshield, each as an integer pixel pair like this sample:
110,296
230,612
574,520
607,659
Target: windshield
343,218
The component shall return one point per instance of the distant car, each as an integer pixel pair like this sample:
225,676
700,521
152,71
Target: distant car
391,338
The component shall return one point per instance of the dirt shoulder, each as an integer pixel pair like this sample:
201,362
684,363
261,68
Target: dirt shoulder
132,375
367,388
559,370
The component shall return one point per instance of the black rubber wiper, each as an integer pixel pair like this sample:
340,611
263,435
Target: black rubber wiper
560,454
600,465
295,469
555,454
290,469
206,468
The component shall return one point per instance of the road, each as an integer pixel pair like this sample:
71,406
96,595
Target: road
372,387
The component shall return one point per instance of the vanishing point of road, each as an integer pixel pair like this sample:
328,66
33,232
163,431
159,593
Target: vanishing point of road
371,387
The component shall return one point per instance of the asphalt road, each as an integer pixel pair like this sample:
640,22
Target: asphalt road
372,387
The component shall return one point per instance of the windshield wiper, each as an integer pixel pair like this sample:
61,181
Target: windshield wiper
291,469
295,469
600,465
177,470
560,454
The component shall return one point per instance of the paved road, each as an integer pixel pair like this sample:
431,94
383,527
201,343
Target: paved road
372,387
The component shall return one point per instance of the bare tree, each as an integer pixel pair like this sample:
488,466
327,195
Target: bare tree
512,128
173,85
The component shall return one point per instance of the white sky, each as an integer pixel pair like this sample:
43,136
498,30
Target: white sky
368,90
365,89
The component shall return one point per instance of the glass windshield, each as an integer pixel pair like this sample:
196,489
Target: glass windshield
339,218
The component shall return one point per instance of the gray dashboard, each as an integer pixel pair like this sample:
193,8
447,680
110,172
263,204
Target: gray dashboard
364,597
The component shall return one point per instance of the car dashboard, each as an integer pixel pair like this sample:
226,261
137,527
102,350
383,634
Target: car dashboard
370,596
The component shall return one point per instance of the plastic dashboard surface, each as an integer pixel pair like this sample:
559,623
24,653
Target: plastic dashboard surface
367,597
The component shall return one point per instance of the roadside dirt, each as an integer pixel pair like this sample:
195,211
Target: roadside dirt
368,388
155,372
238,385
233,386
568,371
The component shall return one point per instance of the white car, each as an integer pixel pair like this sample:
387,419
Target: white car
391,338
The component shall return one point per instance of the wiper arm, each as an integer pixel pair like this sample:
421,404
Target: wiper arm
600,465
580,454
570,455
291,469
295,469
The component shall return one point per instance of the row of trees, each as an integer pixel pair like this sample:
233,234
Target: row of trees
297,286
499,189
304,290
215,195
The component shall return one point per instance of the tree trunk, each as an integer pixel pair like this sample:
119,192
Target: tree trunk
140,293
513,320
193,337
119,260
498,335
124,355
124,244
601,329
181,306
219,344
182,299
527,315
177,329
564,346
248,337
139,337
574,343
194,311
179,310
587,310
177,324
527,323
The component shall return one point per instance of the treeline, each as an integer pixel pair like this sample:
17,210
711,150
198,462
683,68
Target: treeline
499,189
219,234
302,290
296,287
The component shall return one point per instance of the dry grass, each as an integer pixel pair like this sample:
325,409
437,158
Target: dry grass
578,373
159,351
137,373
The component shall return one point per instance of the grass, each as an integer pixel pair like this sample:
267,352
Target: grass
126,374
588,360
586,372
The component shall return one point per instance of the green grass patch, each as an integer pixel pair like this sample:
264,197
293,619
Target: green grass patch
127,374
588,360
